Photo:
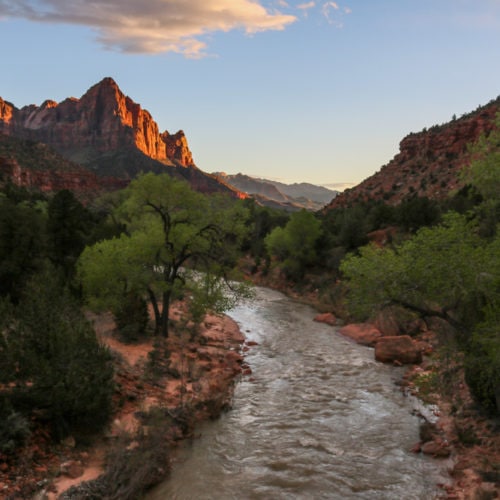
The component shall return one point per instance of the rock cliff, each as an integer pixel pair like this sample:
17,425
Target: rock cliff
428,163
109,134
102,120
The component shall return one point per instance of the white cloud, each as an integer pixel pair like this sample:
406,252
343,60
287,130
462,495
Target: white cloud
306,6
333,13
152,26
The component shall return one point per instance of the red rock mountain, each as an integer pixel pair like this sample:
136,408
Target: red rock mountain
428,162
109,134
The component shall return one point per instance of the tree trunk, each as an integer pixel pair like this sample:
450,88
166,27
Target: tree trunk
165,314
156,310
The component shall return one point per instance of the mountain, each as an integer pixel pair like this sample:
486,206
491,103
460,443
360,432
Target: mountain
275,194
428,163
109,134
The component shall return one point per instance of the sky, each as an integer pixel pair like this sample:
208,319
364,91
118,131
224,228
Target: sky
297,91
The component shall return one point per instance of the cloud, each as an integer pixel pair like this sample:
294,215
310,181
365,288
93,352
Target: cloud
333,13
306,6
152,26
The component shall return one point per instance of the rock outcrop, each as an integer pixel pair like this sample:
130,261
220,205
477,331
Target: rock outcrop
109,134
102,120
428,163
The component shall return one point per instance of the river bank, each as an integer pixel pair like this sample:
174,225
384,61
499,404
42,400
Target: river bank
155,406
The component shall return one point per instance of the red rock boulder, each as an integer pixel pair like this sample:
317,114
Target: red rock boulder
327,318
397,349
361,333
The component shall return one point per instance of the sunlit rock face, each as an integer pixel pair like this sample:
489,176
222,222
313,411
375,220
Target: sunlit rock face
109,134
428,162
103,119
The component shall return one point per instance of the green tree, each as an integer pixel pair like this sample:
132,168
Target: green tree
436,272
68,226
172,235
295,244
22,245
52,360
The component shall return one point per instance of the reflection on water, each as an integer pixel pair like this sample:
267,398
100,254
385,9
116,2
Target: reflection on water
318,419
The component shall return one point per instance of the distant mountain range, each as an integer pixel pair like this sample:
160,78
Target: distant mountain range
104,139
275,194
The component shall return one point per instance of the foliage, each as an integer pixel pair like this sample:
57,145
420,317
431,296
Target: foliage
58,366
295,244
68,226
14,429
171,230
437,272
132,317
22,245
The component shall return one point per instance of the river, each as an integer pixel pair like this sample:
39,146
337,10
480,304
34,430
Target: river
318,419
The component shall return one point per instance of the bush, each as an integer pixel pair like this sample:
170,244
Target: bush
14,431
132,317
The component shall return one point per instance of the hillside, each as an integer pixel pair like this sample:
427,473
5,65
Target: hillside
428,163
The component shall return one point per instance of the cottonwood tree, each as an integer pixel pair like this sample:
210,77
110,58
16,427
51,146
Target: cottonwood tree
295,244
177,242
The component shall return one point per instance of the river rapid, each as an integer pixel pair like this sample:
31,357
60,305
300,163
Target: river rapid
318,419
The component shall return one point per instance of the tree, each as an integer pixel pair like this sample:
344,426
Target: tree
176,240
22,245
295,244
446,271
437,272
67,227
52,361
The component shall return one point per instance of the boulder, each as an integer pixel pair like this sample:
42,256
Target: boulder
327,318
436,448
361,333
399,349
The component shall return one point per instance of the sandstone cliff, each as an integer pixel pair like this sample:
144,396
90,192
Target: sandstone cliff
109,134
102,120
428,163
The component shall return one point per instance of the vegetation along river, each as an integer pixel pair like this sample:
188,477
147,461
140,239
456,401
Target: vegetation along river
319,418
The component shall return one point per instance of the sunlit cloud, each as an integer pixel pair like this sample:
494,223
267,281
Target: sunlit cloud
153,26
306,6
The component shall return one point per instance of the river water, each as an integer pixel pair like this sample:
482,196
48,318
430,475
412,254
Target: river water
318,419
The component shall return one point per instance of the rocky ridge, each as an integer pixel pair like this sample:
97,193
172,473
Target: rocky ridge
428,162
109,134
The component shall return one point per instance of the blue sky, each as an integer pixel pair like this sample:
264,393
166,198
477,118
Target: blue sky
314,91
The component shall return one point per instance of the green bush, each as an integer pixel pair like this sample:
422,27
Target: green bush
132,317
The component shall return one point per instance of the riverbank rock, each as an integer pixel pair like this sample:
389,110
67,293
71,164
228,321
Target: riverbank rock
362,333
399,349
327,318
